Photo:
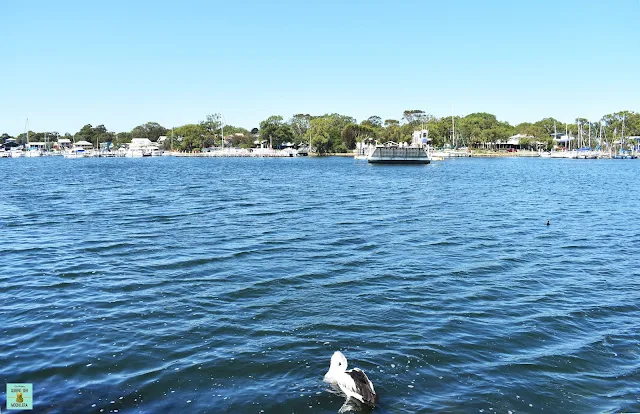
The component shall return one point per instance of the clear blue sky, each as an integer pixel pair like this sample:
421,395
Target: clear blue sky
123,63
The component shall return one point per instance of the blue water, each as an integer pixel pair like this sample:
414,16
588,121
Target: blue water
224,285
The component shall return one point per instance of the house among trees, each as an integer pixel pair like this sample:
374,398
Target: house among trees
261,143
62,144
518,142
36,146
10,143
86,145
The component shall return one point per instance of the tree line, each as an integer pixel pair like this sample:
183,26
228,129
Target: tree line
335,133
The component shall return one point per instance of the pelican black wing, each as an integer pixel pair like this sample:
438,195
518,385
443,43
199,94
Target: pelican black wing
363,386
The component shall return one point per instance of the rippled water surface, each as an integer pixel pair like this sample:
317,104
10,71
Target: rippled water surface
224,285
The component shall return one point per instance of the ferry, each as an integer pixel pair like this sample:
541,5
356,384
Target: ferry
395,154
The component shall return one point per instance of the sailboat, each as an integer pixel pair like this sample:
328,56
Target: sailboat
31,152
565,153
453,151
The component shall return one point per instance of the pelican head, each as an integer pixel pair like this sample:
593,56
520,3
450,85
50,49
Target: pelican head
338,366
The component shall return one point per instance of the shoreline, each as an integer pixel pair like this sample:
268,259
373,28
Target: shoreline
289,154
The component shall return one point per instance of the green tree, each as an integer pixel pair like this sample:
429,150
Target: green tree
393,132
150,130
326,130
321,141
373,122
121,138
549,125
189,137
213,129
300,124
100,134
632,123
353,133
4,137
85,134
482,128
242,139
275,131
439,130
415,117
238,136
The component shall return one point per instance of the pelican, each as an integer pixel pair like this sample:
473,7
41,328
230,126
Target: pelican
354,383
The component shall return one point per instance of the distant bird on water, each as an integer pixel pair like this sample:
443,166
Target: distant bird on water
354,383
548,223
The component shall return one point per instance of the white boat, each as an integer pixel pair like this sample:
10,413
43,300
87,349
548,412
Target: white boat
16,153
452,153
142,147
395,154
302,151
587,154
30,152
33,153
75,152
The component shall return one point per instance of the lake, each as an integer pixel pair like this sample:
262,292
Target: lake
225,285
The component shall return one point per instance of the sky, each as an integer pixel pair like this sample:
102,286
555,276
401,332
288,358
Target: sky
120,63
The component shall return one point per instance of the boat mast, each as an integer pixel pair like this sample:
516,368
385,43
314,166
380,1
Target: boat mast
27,128
581,132
622,136
453,132
222,141
600,135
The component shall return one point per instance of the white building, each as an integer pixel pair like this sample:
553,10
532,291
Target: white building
36,146
63,143
513,141
84,145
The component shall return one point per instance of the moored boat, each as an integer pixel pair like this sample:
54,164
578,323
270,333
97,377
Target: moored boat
399,155
143,147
